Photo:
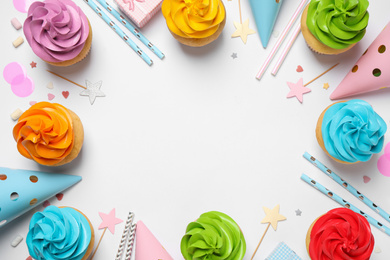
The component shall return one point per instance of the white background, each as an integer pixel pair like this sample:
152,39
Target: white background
193,133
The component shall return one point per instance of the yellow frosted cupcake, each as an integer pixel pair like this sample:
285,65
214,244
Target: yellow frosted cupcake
332,27
194,22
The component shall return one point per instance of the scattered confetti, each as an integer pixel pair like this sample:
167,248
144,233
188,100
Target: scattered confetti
46,203
109,220
384,162
50,85
16,114
18,42
16,241
59,196
21,84
32,103
22,5
299,68
366,179
65,94
242,30
33,64
93,91
377,249
234,55
16,24
326,86
50,96
298,212
297,90
275,33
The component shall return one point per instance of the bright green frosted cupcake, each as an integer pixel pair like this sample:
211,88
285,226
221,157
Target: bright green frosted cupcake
214,235
334,26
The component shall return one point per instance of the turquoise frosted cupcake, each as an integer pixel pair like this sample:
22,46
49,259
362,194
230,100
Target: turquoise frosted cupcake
350,131
60,234
214,235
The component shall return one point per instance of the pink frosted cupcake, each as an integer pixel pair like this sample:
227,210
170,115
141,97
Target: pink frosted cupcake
58,32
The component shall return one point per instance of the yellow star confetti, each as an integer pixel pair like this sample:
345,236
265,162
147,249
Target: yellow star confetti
326,86
242,30
273,216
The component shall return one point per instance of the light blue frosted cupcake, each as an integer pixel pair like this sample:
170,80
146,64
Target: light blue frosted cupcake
350,131
60,234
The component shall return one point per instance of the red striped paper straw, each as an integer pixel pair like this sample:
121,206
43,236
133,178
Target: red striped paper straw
281,39
286,49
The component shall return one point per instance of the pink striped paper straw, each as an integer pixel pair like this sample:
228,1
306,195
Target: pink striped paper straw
281,39
286,49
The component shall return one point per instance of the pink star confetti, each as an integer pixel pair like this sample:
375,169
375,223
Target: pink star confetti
109,220
297,90
33,64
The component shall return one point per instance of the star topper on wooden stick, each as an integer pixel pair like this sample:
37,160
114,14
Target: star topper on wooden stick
272,218
242,29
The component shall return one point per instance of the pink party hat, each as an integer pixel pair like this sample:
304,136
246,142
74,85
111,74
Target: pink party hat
371,72
147,246
22,190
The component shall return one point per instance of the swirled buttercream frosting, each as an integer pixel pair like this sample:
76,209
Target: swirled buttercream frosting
44,133
58,233
341,234
338,23
352,131
193,18
213,236
56,29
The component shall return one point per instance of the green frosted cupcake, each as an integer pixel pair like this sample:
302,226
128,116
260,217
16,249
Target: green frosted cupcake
334,26
214,235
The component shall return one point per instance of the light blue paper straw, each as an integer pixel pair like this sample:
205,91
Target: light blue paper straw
118,30
344,203
347,186
131,28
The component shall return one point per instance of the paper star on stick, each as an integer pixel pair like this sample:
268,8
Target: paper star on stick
93,91
109,220
242,30
272,218
297,90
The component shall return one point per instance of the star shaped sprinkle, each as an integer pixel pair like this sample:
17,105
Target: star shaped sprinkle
298,212
234,55
326,86
109,220
297,90
93,91
273,216
242,30
33,64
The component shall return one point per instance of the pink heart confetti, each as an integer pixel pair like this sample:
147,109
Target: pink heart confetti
32,103
366,179
29,258
46,203
299,68
60,196
50,96
65,94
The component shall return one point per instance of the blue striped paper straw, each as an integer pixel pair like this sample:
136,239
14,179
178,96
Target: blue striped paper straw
118,30
344,203
131,28
347,186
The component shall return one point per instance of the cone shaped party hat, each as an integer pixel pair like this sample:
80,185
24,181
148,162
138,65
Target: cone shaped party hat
147,246
265,13
22,190
371,72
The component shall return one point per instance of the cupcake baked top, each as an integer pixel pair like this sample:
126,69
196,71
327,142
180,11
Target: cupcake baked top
58,233
214,235
338,23
56,29
352,131
341,234
193,18
45,133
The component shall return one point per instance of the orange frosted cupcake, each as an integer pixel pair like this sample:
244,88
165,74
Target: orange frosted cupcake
49,134
194,22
